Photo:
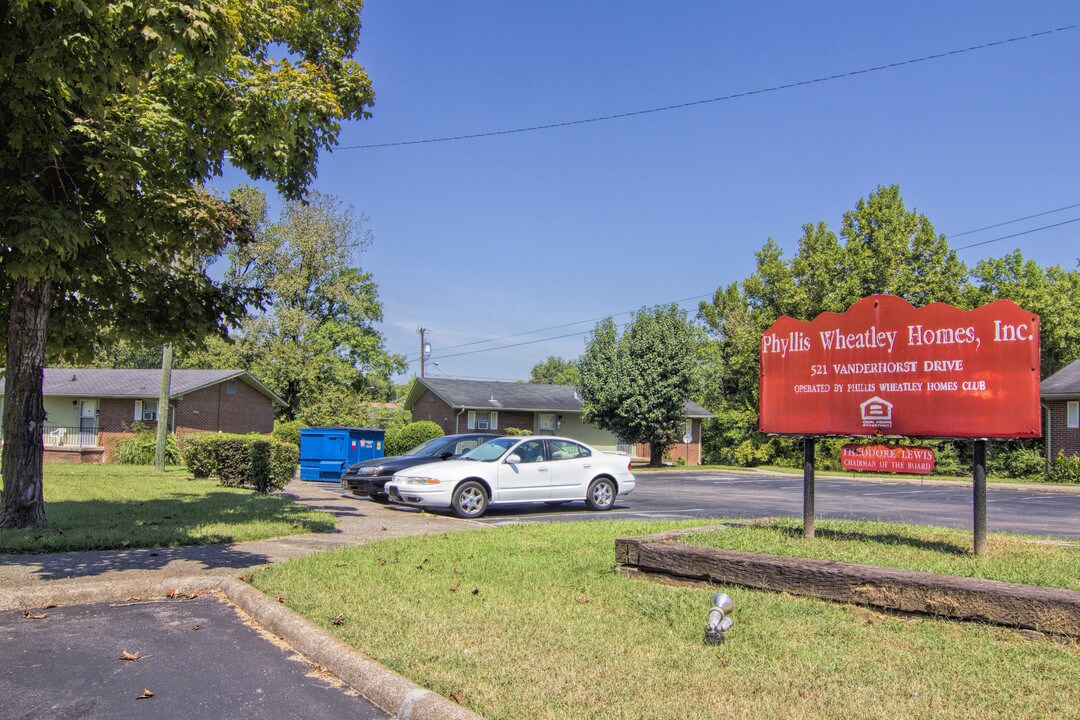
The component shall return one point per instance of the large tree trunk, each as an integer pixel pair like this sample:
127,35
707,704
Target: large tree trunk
656,454
24,409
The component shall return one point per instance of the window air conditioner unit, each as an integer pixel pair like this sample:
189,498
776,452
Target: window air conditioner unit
482,425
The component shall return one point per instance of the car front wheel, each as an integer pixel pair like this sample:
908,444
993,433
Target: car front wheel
601,494
469,500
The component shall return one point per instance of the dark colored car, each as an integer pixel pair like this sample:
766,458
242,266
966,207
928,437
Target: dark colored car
370,477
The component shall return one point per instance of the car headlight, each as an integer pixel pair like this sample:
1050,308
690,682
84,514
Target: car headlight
369,471
420,481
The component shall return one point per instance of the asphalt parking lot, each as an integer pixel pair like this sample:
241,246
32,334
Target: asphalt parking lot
710,494
197,657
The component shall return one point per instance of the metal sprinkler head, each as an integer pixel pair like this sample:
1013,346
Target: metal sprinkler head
718,622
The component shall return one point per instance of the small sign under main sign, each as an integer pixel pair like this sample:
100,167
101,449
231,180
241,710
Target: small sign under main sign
888,459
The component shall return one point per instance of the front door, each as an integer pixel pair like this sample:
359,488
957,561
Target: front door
527,479
545,423
88,422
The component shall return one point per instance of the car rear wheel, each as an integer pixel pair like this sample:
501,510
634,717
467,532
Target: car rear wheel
601,494
469,500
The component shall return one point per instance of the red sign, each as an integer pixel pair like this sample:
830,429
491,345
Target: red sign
888,458
885,367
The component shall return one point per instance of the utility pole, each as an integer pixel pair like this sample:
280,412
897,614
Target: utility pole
424,350
163,407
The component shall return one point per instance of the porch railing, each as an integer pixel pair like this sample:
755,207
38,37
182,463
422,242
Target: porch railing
67,436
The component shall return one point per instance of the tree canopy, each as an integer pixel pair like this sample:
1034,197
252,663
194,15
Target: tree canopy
115,115
316,344
555,371
636,385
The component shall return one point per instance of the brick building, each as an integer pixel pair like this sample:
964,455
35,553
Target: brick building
1060,394
87,411
459,406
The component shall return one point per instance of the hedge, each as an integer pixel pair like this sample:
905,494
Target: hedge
258,461
410,436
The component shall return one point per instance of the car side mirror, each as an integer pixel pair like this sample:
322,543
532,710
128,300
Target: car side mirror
514,459
446,454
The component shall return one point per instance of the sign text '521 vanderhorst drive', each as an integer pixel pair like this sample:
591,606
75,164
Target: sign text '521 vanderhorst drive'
885,367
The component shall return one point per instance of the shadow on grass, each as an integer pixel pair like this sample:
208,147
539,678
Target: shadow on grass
174,520
895,539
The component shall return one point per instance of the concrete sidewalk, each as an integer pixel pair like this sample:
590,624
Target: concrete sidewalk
359,521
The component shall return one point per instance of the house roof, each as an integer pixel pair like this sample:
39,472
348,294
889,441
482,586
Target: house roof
528,397
1063,383
105,383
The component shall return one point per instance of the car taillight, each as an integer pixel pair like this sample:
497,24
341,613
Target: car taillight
629,466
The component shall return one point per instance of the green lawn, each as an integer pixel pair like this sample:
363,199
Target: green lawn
95,507
531,621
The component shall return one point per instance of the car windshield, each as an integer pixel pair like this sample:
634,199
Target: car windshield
431,447
490,451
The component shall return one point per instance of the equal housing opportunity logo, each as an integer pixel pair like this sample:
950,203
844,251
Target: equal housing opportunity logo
876,413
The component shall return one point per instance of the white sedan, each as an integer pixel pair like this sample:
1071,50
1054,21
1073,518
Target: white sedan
511,470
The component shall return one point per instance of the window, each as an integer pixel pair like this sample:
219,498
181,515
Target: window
1072,414
463,446
483,420
566,450
145,410
230,387
531,451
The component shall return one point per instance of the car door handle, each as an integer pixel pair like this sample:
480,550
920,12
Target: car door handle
587,465
543,469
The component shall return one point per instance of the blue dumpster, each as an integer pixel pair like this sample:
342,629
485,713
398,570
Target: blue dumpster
325,452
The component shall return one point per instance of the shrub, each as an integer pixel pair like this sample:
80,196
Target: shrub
139,450
517,432
410,436
288,431
258,461
1022,462
1063,468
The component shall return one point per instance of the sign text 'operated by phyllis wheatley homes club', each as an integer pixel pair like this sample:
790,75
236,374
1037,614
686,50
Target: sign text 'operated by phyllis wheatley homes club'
884,367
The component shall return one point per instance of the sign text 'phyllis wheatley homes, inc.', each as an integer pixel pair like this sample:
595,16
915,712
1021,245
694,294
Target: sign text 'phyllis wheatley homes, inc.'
884,367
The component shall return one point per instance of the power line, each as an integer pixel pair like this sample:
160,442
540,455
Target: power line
1025,232
733,96
553,327
1010,222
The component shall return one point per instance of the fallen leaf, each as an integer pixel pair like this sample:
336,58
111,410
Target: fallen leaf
476,591
394,559
124,543
419,567
446,536
146,695
381,561
280,598
338,620
453,569
384,529
195,627
456,698
296,524
455,586
342,565
132,656
49,605
723,660
27,615
581,600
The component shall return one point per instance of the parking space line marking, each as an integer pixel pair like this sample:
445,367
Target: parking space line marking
897,492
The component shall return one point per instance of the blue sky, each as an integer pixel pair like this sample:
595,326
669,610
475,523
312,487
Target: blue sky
492,237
